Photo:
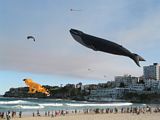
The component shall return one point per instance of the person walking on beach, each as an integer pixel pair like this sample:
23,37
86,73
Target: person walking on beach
20,114
2,115
38,114
45,114
33,114
8,115
48,113
13,114
52,115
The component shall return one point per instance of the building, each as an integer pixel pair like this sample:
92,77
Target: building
126,80
152,72
70,86
152,84
136,87
107,94
90,87
79,85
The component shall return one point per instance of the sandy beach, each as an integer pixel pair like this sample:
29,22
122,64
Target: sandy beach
118,116
133,113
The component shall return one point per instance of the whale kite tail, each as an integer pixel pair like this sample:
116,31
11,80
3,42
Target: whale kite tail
137,58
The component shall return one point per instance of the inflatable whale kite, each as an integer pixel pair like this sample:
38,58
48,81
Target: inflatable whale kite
99,44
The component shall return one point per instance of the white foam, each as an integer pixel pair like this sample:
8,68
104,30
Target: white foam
13,102
101,105
28,107
51,104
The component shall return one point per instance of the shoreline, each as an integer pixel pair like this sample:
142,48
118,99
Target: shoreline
136,113
123,100
113,116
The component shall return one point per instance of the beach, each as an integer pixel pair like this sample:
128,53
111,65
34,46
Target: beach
48,109
118,116
147,113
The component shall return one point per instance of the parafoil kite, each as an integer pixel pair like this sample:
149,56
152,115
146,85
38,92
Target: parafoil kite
31,37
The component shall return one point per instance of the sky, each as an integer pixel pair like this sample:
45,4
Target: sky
56,58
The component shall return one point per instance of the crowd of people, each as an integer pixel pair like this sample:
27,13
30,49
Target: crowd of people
10,114
134,110
124,110
52,113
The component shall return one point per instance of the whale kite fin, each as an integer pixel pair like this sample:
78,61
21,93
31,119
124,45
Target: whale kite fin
137,58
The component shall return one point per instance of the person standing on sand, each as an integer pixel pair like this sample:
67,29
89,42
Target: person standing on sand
38,114
8,116
52,114
48,113
20,114
45,114
33,114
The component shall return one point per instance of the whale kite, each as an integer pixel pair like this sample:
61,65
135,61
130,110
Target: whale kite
99,44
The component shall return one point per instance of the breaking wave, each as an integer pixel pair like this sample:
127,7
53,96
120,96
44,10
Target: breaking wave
14,102
101,105
51,104
27,107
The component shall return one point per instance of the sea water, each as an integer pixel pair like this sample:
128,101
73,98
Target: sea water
34,104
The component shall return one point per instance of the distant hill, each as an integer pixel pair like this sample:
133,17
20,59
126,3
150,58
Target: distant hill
66,92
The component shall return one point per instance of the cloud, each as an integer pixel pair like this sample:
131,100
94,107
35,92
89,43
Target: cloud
145,31
56,53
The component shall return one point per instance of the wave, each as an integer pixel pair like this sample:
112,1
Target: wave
27,107
14,102
101,105
30,98
51,104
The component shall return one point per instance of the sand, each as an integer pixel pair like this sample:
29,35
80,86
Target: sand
118,116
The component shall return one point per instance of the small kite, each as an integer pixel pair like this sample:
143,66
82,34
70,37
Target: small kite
31,37
35,87
74,10
99,44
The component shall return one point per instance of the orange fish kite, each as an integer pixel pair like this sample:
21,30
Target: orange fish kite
35,87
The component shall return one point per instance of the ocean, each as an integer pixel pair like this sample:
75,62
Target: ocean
29,105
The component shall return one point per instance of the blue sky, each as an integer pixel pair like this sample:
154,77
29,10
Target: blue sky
55,58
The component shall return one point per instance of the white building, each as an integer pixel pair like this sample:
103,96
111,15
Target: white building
152,71
153,84
108,93
126,80
136,87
